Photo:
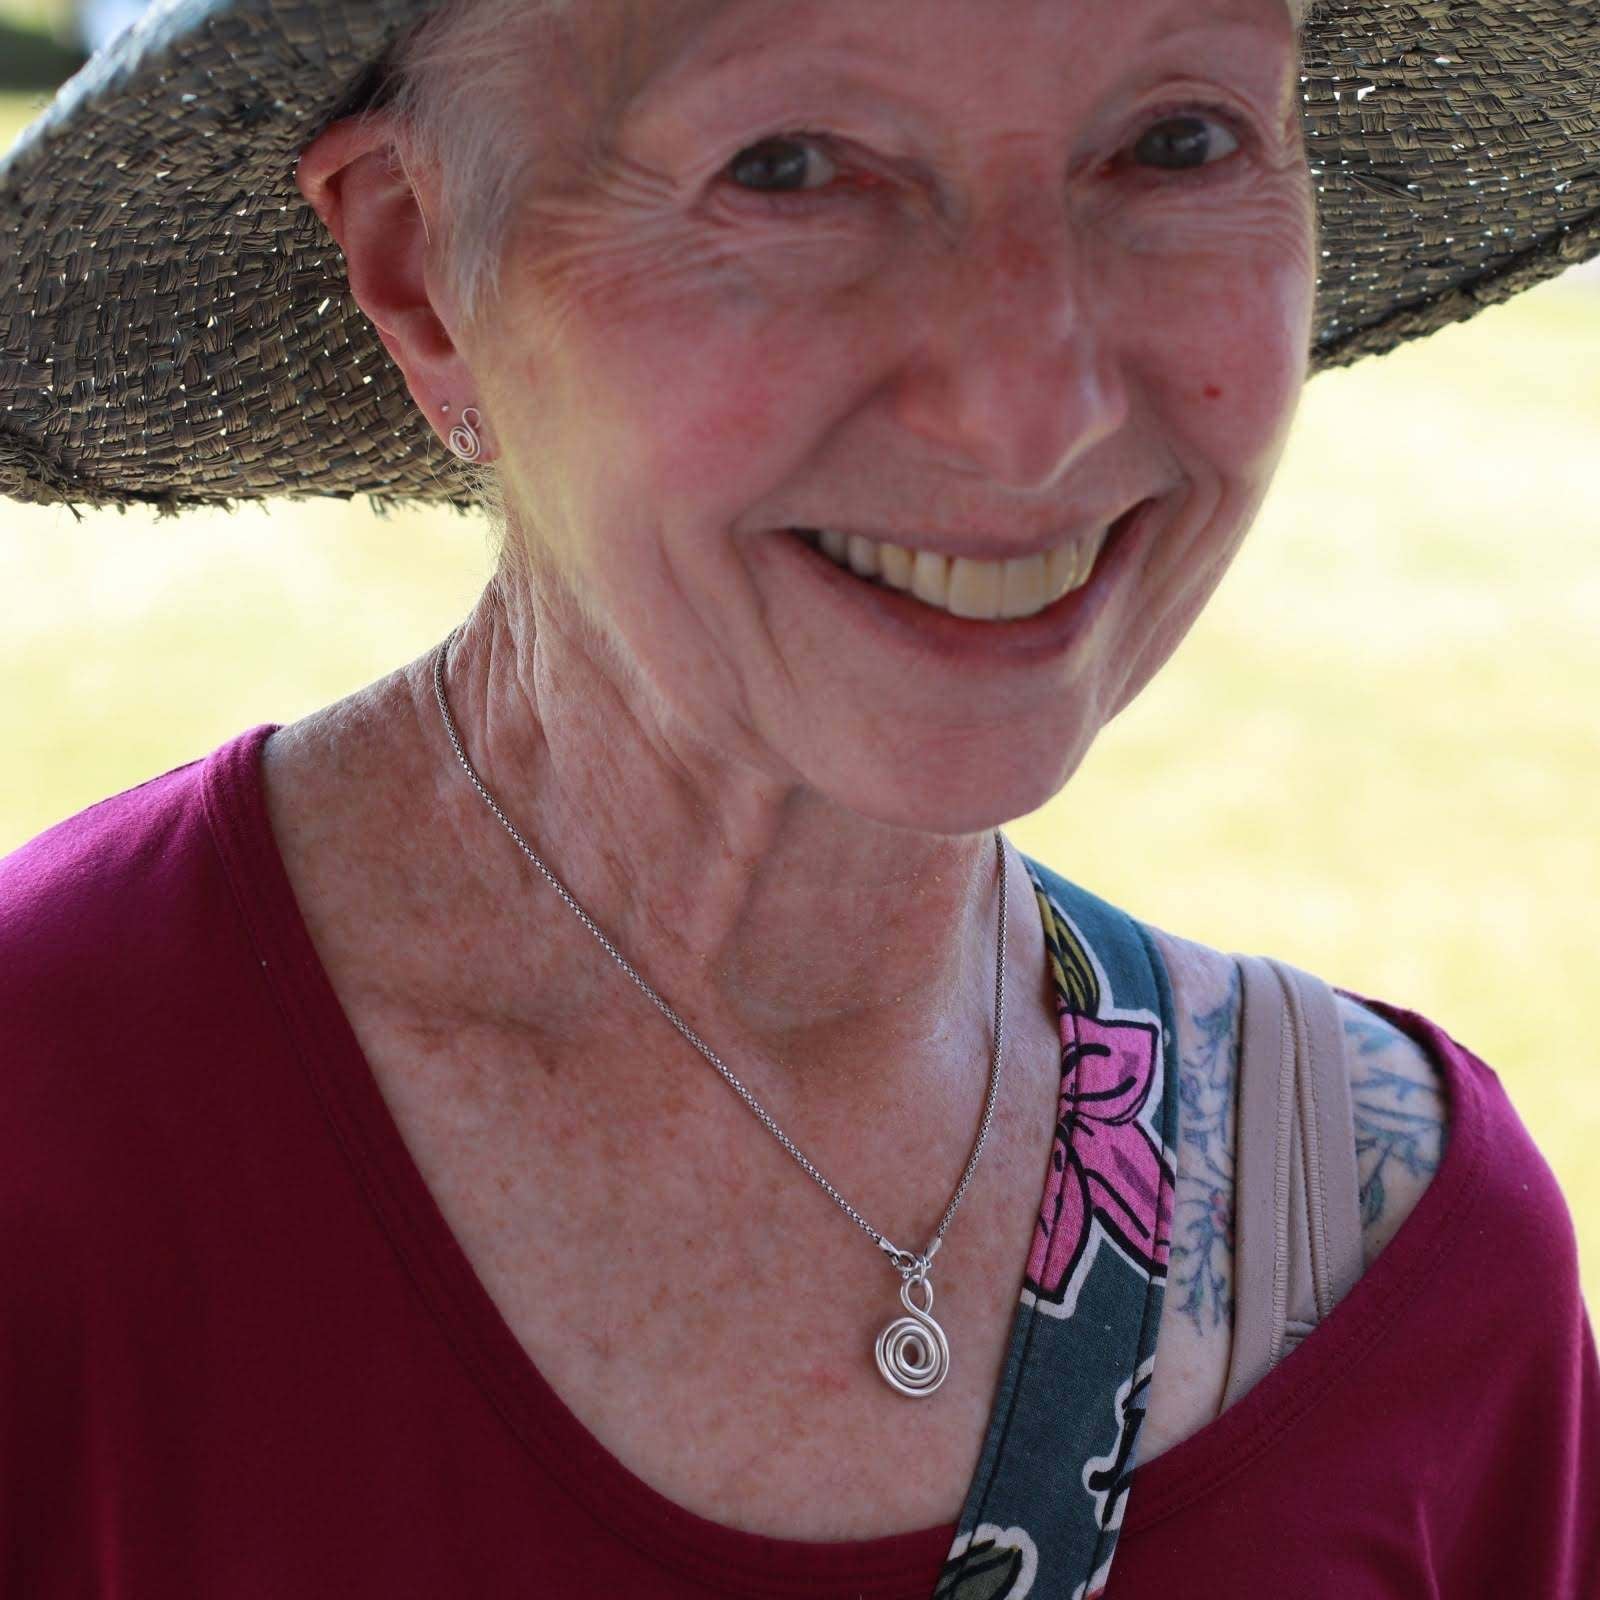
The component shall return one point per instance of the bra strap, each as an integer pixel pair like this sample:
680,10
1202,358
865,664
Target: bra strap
1297,1211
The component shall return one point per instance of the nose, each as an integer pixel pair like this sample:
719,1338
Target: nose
1012,374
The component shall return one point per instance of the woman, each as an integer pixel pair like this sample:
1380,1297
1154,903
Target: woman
865,414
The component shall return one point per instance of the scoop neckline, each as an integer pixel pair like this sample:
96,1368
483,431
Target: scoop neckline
572,1458
574,1462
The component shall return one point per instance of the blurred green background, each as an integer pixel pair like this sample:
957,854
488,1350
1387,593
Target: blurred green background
1376,756
41,42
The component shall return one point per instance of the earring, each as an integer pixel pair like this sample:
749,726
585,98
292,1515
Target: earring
464,440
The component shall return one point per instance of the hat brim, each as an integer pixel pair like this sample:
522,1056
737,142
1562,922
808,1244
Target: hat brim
176,326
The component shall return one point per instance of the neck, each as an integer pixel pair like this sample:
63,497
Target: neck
782,928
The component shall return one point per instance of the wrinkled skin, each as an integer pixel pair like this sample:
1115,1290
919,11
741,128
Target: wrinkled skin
984,316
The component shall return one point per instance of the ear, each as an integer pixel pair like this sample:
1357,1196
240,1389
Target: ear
380,222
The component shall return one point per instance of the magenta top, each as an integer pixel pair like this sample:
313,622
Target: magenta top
242,1355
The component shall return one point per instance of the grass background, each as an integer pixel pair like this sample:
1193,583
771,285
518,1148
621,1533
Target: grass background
1376,756
40,43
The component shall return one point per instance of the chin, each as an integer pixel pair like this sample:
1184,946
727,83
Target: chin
961,787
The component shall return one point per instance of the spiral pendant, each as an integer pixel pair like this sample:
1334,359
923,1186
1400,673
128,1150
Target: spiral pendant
913,1353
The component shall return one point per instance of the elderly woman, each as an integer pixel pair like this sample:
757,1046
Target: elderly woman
866,399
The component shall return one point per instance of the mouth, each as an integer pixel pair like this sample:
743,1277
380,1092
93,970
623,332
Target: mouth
982,591
958,607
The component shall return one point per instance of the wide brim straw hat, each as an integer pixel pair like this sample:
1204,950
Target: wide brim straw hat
176,327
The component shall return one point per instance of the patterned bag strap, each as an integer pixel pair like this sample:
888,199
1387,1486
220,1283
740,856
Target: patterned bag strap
1297,1214
1045,1505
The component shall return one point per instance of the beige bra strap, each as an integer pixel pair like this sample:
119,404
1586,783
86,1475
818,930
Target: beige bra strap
1297,1214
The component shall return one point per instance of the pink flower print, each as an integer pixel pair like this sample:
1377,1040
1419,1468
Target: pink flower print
1104,1164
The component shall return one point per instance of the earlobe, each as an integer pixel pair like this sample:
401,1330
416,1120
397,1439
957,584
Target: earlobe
464,439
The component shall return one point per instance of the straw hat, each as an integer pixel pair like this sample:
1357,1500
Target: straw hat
176,326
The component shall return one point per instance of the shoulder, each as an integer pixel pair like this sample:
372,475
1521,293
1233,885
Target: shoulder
119,830
107,921
1399,1103
96,913
1400,1108
68,888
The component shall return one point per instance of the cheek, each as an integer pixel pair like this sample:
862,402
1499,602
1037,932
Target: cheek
1220,348
1220,336
680,369
1250,363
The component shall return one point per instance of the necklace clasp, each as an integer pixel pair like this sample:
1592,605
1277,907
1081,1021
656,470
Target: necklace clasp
910,1266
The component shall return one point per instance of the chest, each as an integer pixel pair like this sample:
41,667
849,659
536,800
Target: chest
709,1314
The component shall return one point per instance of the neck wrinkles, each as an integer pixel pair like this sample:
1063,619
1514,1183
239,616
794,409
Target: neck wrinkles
830,947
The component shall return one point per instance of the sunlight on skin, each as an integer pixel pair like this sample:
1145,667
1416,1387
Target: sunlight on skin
1295,748
996,323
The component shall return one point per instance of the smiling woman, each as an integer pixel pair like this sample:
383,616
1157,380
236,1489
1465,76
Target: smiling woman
648,251
865,415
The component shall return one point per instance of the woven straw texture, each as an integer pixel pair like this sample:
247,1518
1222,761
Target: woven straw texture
176,327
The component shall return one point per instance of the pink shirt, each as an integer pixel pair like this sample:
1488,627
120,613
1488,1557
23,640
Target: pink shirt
242,1355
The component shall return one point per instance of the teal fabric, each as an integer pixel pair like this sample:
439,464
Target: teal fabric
1042,1515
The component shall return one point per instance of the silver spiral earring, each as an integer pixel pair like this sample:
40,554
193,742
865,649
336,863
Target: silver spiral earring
464,440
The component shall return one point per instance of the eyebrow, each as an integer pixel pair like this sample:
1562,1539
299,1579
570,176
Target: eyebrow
691,76
848,84
840,63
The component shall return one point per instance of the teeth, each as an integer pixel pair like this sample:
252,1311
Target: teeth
930,579
975,588
863,556
895,563
1021,583
982,590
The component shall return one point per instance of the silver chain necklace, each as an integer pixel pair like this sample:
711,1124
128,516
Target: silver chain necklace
912,1352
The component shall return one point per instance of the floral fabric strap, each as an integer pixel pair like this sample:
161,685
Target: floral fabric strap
1046,1502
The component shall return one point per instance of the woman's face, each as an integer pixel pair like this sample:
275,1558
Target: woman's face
979,283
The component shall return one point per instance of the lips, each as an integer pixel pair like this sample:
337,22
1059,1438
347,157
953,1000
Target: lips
907,624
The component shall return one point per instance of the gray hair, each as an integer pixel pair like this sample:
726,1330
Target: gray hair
454,91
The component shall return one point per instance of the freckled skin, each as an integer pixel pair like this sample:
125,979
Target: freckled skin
986,319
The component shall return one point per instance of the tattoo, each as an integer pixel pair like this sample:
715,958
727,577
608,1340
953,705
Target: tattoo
1202,1233
1399,1121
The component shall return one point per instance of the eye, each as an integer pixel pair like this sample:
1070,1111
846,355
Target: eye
1187,138
780,165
